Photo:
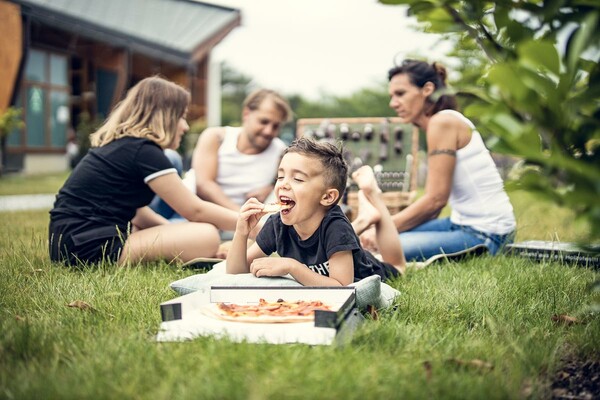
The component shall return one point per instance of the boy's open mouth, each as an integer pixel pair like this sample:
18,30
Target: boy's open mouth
287,204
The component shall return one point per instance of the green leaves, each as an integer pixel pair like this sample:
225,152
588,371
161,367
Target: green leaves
440,20
9,120
537,96
539,55
583,37
506,79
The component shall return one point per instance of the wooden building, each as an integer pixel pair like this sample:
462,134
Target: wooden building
62,58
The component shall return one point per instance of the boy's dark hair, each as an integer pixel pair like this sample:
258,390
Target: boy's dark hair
419,73
331,157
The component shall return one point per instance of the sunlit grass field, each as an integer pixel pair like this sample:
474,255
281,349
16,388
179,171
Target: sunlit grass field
31,184
482,328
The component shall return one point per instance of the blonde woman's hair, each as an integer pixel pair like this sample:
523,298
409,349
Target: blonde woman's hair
151,110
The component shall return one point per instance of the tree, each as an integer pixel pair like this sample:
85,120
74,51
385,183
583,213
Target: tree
235,86
10,120
371,102
538,92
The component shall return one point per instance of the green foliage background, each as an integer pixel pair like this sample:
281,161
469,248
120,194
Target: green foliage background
530,79
235,86
10,120
372,101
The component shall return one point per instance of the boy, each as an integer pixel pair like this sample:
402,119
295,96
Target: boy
316,243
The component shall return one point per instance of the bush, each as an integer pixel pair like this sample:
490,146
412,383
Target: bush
537,94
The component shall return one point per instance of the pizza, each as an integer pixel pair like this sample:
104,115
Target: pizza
279,311
274,207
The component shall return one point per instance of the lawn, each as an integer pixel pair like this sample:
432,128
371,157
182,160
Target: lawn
482,328
31,184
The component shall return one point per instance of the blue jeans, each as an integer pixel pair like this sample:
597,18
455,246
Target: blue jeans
441,236
157,204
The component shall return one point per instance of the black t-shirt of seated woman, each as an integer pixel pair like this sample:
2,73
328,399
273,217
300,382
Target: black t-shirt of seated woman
110,182
334,234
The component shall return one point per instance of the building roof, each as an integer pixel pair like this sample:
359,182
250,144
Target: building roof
172,30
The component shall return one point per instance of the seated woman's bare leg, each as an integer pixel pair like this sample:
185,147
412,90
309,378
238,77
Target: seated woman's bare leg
182,241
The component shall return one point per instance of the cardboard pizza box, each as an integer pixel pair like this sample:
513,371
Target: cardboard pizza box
568,253
184,317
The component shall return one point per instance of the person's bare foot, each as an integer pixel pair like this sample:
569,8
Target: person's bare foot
365,179
367,214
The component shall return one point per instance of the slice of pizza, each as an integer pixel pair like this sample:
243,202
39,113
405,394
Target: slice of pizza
275,207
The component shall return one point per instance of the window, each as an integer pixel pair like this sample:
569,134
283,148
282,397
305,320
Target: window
35,116
44,97
106,81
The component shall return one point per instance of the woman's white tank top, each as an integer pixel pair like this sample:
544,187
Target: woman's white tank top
478,198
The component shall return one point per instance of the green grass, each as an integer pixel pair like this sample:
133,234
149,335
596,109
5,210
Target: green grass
31,184
498,310
537,219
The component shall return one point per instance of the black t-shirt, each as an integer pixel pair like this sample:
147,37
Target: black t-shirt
110,182
333,235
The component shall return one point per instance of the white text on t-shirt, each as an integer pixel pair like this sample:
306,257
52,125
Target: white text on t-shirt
322,269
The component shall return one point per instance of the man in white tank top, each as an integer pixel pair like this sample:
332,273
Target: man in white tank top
232,165
239,174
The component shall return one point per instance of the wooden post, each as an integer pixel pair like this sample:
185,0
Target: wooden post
11,43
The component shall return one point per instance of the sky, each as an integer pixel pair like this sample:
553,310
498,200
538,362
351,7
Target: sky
311,47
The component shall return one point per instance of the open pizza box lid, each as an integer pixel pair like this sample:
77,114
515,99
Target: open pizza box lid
184,317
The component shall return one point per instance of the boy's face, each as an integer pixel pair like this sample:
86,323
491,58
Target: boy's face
300,182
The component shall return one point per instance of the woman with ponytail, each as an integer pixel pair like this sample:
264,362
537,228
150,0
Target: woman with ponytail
101,211
460,172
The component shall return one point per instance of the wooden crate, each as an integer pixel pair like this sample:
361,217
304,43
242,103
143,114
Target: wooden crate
386,142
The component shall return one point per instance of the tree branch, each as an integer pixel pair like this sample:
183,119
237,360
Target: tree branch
474,33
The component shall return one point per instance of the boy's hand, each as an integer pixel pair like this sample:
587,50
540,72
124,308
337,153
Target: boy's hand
250,213
271,266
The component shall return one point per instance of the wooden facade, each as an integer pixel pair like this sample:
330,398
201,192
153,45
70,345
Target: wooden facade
11,45
79,73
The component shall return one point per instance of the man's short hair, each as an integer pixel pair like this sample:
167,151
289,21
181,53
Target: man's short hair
255,99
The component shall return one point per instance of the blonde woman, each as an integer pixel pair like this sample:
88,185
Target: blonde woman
101,211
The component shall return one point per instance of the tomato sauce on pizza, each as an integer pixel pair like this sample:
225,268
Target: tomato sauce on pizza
277,311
